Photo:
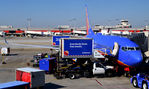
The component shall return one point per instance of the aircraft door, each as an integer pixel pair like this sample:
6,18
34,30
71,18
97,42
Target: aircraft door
115,49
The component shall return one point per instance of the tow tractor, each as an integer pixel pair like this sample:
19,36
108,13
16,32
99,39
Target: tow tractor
38,57
141,80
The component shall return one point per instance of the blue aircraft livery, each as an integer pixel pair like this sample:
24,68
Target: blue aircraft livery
128,53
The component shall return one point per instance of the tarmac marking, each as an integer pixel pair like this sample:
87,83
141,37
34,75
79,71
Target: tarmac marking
98,82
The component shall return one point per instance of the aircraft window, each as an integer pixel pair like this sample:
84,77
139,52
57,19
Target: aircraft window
124,48
130,48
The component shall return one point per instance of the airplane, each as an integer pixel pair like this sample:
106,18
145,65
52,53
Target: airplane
126,53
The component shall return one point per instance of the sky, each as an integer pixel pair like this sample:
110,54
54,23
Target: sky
51,13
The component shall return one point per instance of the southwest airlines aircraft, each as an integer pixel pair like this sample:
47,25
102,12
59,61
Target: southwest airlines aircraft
125,52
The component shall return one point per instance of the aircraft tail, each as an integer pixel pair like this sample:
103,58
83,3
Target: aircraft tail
88,28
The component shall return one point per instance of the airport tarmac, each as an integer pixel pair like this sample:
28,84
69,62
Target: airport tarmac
21,56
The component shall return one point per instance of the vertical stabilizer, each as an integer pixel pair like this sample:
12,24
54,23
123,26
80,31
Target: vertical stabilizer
87,22
89,31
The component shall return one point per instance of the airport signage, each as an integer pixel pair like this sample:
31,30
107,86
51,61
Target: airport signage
56,40
76,48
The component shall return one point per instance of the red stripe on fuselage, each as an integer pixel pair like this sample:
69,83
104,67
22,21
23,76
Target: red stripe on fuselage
122,64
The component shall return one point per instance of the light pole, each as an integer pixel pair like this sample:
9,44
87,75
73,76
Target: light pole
29,22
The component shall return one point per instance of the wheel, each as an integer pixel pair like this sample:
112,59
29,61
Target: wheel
72,76
127,74
135,82
144,85
109,73
57,75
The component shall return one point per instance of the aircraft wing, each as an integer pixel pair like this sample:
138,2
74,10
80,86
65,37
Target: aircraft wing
34,46
16,45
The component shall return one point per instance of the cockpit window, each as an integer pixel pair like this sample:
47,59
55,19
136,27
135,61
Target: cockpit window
130,48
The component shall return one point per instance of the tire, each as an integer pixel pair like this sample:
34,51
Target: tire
127,74
144,85
72,76
57,75
109,73
135,82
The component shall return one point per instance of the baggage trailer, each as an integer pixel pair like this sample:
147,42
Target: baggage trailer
47,64
35,77
15,85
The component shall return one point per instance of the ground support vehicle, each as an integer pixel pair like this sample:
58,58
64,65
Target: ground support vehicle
101,68
37,58
65,72
80,69
140,80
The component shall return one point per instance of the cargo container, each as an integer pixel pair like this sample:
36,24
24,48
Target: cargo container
5,50
56,40
15,85
76,48
47,64
35,77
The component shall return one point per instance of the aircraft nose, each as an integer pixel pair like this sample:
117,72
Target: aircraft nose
136,58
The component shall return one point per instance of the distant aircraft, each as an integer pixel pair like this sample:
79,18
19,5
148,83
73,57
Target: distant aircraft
125,52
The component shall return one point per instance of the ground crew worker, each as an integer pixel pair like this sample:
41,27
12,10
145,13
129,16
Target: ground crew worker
46,55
